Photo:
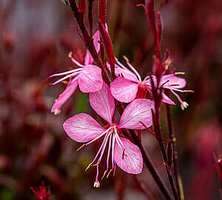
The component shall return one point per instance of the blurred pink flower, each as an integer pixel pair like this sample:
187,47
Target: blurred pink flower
120,151
125,87
88,77
41,193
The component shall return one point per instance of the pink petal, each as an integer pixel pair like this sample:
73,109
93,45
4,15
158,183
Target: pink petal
96,41
171,81
88,57
103,103
124,90
128,157
63,97
82,128
137,115
167,100
90,79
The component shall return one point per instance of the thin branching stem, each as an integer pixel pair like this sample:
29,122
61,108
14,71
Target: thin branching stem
172,138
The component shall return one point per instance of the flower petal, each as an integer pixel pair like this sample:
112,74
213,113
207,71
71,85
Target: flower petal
90,79
171,81
137,115
124,90
96,40
167,100
128,157
63,97
88,57
82,128
103,103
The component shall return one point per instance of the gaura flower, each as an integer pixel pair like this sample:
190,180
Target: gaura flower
126,86
87,76
173,84
120,151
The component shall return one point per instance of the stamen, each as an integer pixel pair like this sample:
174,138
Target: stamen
66,72
119,142
178,90
103,149
96,184
99,136
113,146
179,73
108,155
132,68
111,137
110,171
114,170
64,78
183,104
99,151
146,78
74,60
100,158
120,64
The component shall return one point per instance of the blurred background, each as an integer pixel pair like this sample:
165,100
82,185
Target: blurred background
35,38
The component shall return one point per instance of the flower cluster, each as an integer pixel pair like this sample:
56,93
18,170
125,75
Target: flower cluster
128,87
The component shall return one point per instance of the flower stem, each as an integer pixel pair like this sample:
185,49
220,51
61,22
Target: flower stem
172,137
157,96
149,164
87,39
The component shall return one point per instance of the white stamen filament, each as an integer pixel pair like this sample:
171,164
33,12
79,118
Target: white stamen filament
119,142
132,68
146,78
109,141
98,152
120,64
183,104
99,136
179,73
107,161
66,72
178,90
66,77
100,158
74,60
127,70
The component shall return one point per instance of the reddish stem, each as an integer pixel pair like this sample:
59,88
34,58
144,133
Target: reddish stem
108,46
102,11
82,6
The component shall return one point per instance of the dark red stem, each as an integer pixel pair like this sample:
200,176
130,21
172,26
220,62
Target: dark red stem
108,46
102,11
174,153
87,39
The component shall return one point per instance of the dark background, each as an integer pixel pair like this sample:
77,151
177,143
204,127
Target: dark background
35,38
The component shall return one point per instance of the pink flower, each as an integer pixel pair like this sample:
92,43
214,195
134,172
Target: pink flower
125,88
120,151
88,77
173,84
41,193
